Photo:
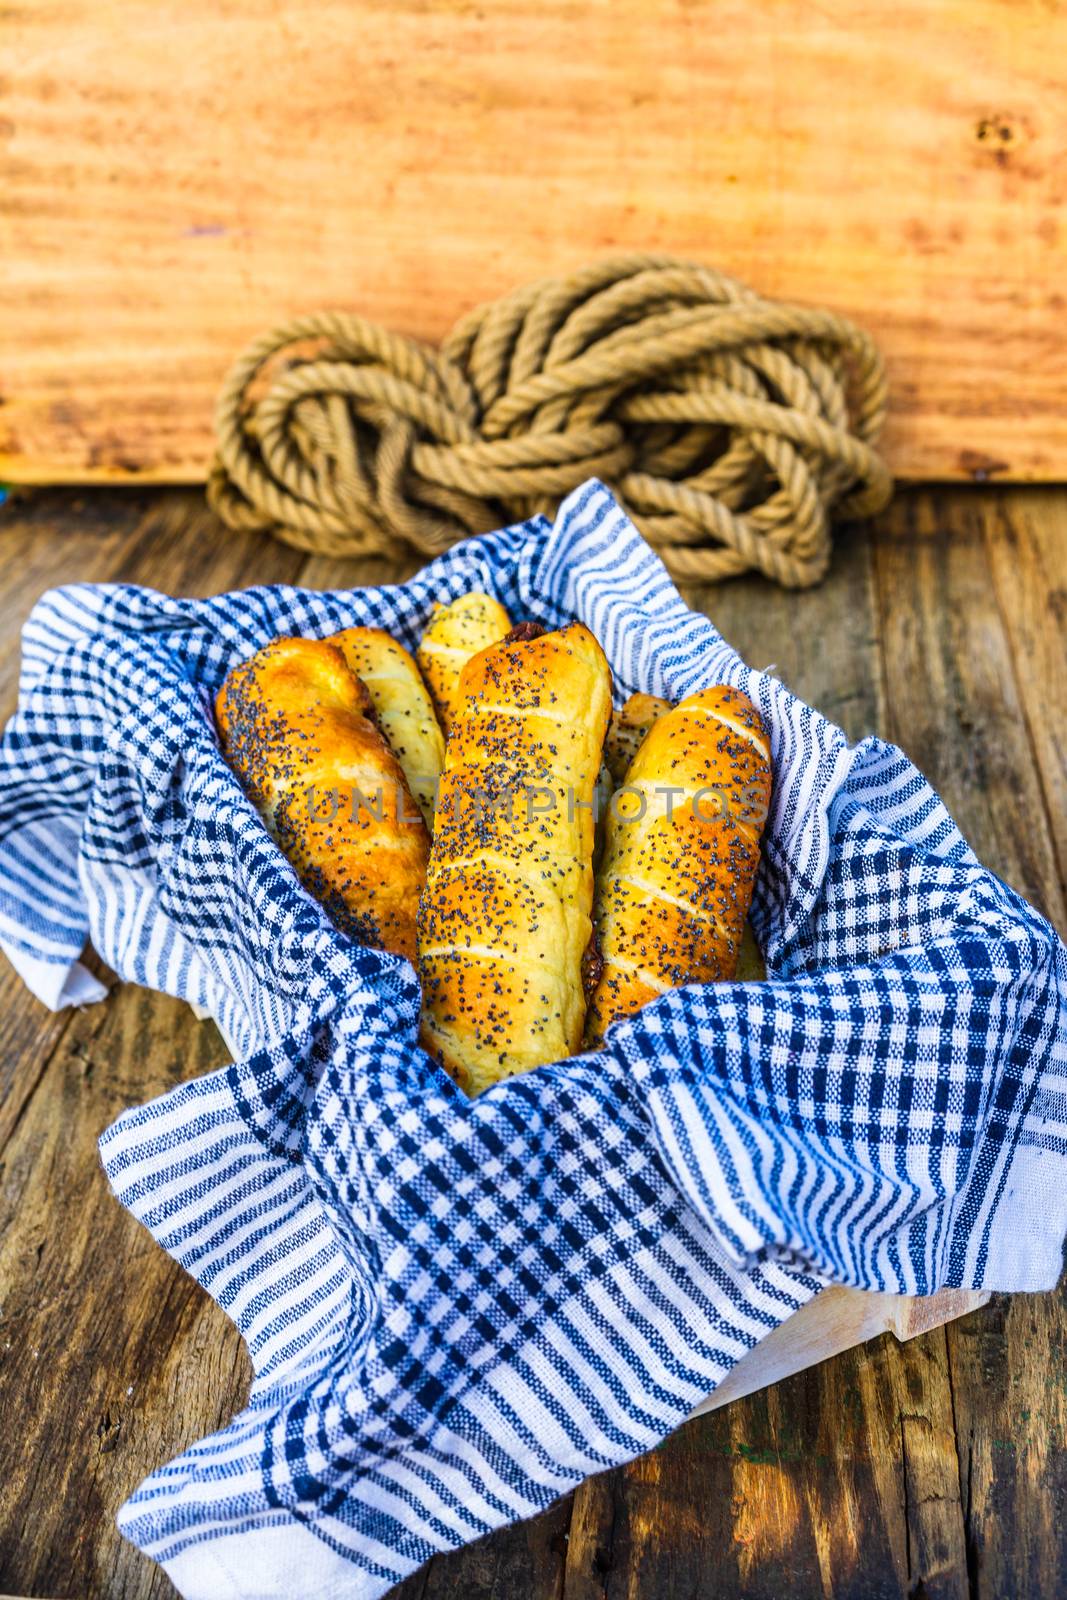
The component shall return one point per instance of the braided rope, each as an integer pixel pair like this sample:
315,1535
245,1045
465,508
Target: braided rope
721,419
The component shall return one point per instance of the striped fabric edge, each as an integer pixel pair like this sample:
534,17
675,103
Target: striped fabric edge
302,1185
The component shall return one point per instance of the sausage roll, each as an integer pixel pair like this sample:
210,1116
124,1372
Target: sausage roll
403,709
627,731
675,883
297,728
505,918
455,633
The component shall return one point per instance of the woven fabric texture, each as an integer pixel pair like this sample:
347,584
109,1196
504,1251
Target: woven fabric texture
458,1309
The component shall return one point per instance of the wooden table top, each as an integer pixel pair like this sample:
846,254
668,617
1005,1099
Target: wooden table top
936,1468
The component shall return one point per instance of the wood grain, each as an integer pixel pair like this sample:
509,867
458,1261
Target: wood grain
1026,542
174,179
165,540
1009,1367
973,653
99,1387
972,587
953,696
932,1468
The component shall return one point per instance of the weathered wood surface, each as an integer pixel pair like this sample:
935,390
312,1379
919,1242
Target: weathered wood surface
935,1468
174,179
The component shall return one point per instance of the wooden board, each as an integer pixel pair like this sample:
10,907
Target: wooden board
176,178
934,1467
836,1321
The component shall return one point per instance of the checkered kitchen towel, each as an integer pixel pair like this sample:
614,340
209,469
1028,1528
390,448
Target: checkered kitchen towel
456,1310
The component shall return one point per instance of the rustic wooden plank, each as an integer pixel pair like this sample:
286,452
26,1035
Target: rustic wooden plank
111,1358
165,540
901,163
937,1555
952,694
974,659
1009,1369
841,1480
1025,533
1007,1364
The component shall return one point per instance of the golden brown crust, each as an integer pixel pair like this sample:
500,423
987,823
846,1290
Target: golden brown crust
505,919
297,729
675,884
403,709
454,634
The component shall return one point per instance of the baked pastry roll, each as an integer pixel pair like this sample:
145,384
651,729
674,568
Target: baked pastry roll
675,882
455,633
505,918
297,728
403,709
627,730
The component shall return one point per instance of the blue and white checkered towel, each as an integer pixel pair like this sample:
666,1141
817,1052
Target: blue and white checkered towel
456,1310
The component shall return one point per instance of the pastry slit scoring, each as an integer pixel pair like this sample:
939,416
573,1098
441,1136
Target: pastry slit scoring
625,964
652,937
505,919
532,877
653,893
449,650
756,740
495,709
469,952
680,792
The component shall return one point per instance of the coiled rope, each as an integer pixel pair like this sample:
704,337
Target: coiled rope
732,427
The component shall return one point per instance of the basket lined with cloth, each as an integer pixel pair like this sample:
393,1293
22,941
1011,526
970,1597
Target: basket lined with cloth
456,1309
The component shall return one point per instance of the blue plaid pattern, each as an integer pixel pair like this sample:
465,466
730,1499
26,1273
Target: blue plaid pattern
457,1310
